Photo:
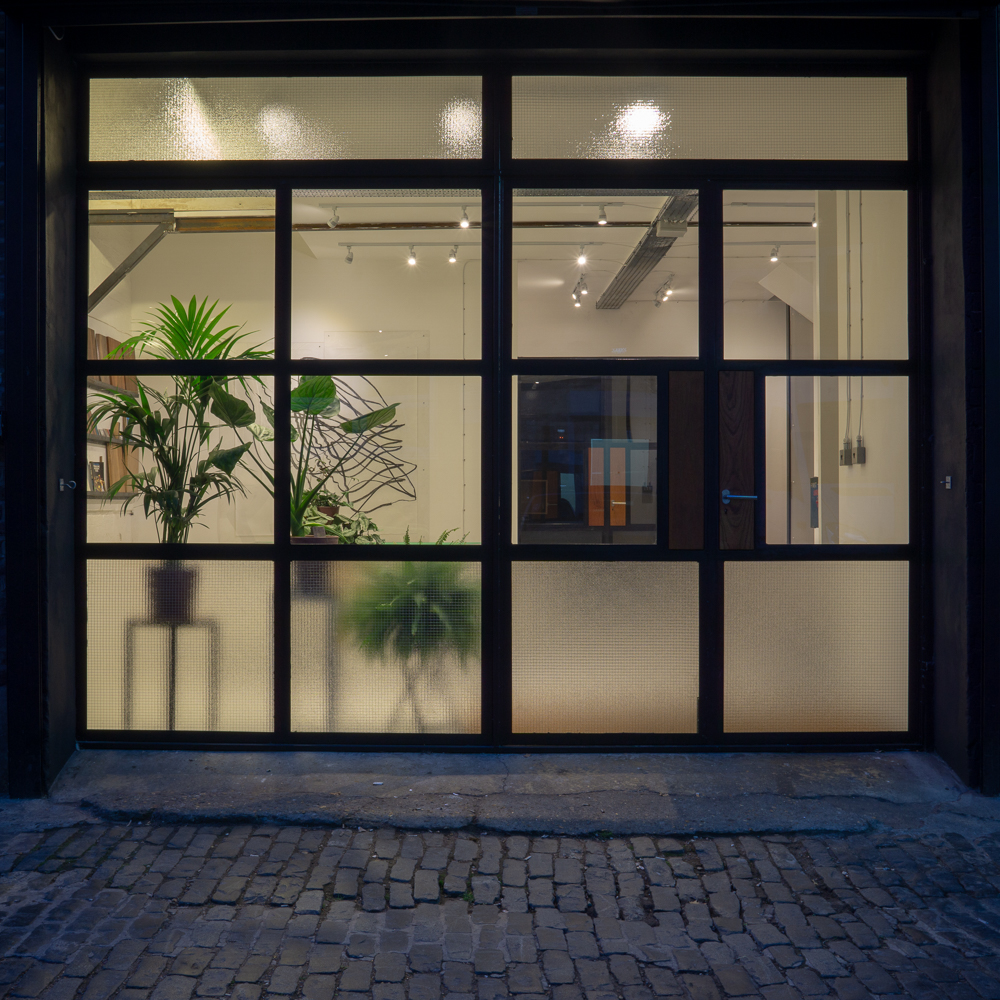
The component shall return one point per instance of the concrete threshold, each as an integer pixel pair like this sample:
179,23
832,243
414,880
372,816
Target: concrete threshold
570,794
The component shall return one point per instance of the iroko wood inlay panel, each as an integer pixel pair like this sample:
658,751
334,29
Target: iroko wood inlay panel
686,460
736,519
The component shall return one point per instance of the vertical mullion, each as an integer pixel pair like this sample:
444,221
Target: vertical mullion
710,340
282,458
501,279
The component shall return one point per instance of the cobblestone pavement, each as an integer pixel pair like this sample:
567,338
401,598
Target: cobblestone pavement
146,912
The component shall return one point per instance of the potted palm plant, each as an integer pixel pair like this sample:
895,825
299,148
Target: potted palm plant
416,614
179,435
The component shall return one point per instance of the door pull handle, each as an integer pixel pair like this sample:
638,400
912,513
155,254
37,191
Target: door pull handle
727,496
619,503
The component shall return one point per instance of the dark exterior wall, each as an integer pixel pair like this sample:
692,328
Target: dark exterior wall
3,410
955,316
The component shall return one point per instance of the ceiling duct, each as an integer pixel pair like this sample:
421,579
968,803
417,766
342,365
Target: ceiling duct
670,224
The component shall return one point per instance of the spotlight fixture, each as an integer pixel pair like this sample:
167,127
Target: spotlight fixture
602,217
334,219
774,254
577,303
815,223
412,259
582,259
582,284
663,293
453,255
349,259
464,223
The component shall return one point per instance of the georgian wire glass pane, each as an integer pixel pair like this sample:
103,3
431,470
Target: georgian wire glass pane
605,647
180,645
148,247
286,118
710,117
837,460
605,273
386,647
815,275
816,647
354,292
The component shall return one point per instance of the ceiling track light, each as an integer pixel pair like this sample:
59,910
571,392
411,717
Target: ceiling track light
815,223
582,259
774,253
412,259
334,219
582,284
453,255
349,259
464,223
602,217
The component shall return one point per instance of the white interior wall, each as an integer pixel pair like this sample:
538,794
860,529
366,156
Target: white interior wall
547,324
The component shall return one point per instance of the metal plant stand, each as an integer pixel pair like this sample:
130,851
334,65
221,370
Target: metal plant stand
212,628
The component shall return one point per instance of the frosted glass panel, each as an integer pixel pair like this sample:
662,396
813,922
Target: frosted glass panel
604,647
706,117
816,647
385,647
148,247
605,273
837,460
180,646
816,274
355,293
286,118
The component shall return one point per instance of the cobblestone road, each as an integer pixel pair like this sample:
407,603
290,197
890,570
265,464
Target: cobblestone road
171,913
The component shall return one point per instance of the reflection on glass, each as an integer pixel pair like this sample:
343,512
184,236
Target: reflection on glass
387,274
605,647
586,459
605,274
385,459
837,460
709,117
816,647
385,647
180,645
815,274
286,118
169,459
148,247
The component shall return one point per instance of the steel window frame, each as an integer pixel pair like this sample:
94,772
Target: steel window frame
497,174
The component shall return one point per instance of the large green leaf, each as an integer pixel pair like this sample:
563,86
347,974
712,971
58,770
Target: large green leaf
227,459
361,424
230,410
317,396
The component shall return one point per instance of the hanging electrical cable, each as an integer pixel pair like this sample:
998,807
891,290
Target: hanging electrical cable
845,453
860,452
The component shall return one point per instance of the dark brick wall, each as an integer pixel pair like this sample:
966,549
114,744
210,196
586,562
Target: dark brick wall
3,449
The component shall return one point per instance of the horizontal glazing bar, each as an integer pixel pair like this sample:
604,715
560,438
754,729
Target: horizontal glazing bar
660,366
346,553
295,366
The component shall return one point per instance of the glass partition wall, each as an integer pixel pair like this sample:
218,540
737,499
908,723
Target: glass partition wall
389,453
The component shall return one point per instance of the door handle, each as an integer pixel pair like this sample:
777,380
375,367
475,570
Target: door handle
619,503
727,496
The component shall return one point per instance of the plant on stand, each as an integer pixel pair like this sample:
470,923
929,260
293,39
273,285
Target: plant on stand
419,614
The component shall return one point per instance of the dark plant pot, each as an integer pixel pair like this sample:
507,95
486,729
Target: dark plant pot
329,511
171,594
310,579
314,540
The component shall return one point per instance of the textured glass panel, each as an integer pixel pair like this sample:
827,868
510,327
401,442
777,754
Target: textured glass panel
605,273
815,274
412,476
586,459
385,647
228,501
148,247
354,292
816,647
180,645
837,460
286,118
709,117
603,647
